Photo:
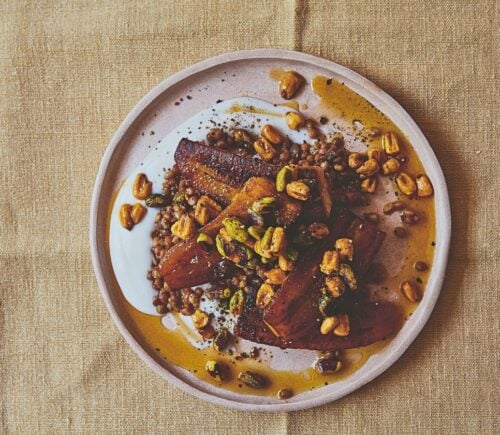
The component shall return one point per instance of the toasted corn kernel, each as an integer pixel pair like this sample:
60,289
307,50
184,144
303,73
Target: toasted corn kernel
213,208
235,229
345,248
265,253
285,264
200,319
294,120
390,143
265,205
318,230
368,168
369,185
275,276
335,286
142,186
137,213
328,325
377,154
184,228
406,184
271,134
290,84
411,291
236,303
215,369
278,241
125,217
201,214
264,149
424,186
264,295
330,262
391,166
391,207
355,160
343,328
347,273
298,190
283,178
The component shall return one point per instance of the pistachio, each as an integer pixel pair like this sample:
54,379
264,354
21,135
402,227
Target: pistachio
252,379
257,218
205,241
346,272
324,304
298,190
266,239
156,200
294,120
390,143
355,160
291,253
264,295
328,366
330,262
219,244
125,217
256,232
424,186
275,276
377,154
290,83
184,228
179,198
343,328
221,340
137,213
206,209
391,166
411,291
201,214
406,184
285,264
345,248
369,185
264,205
235,229
141,188
236,303
264,253
328,325
283,178
368,168
264,149
318,230
216,370
335,286
200,319
271,134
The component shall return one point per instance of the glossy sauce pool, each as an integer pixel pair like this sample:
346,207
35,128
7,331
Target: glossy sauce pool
338,103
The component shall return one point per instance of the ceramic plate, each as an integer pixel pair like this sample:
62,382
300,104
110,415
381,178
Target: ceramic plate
157,117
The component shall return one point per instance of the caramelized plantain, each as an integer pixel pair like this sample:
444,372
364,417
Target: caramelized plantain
293,313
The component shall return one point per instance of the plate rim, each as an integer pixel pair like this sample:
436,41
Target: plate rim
440,262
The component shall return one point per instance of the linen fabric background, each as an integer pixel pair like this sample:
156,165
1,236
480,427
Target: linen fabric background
69,73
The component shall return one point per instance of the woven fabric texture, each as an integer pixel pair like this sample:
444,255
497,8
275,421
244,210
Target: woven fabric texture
69,73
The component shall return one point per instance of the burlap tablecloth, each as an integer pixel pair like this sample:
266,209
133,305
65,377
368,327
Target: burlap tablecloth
69,73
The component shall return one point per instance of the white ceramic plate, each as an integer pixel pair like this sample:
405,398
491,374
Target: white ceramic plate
169,105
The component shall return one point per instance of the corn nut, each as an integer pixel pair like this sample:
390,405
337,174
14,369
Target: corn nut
289,84
390,143
298,190
142,187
